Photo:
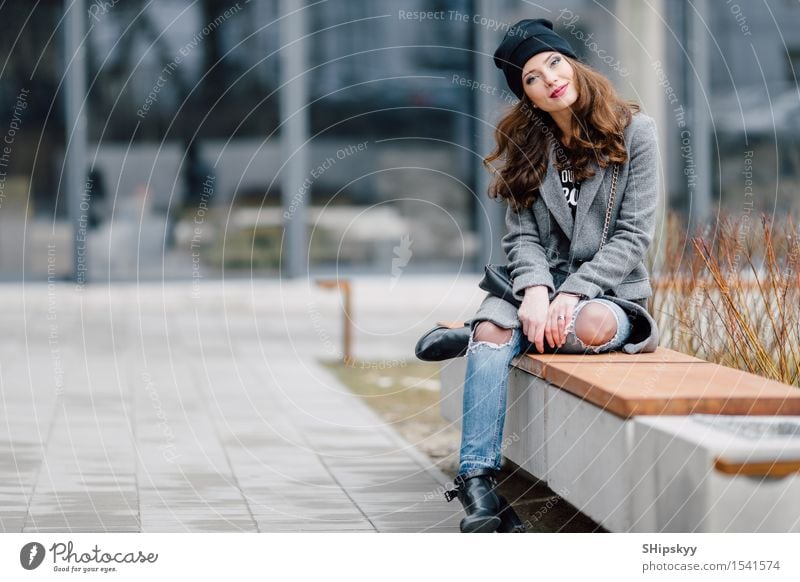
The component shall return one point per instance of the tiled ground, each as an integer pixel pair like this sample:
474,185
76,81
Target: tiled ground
144,408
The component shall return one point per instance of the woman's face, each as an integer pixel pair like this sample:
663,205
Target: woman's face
548,81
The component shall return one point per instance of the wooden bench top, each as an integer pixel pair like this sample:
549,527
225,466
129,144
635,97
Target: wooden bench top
775,469
663,382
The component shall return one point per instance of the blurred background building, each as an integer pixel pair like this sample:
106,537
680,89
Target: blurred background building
210,138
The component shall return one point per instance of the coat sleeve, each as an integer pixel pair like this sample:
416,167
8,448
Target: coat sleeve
635,224
527,263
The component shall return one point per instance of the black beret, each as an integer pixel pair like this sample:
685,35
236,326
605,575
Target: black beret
523,40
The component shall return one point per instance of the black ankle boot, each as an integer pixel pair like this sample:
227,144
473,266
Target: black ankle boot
509,520
475,491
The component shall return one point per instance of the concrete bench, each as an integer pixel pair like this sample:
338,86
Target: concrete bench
658,442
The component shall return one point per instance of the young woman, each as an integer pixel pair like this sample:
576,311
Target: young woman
560,150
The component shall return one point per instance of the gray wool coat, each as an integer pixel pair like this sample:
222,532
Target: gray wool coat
544,247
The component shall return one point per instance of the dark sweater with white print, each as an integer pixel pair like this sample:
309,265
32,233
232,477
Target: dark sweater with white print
570,188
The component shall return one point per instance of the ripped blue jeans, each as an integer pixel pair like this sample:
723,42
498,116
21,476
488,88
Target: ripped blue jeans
486,384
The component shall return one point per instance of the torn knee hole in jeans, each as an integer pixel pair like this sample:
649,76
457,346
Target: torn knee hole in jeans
475,344
570,329
598,348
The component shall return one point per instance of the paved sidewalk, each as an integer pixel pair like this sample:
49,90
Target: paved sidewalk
161,408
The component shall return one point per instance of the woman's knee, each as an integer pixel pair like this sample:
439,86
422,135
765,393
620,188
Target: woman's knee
595,324
486,331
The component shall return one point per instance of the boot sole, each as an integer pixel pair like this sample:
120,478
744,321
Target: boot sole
509,520
480,525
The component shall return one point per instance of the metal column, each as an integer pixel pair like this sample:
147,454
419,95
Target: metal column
699,116
294,133
75,154
491,218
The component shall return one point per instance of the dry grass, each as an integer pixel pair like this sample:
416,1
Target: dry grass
732,295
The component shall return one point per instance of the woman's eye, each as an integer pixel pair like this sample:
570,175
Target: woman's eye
553,63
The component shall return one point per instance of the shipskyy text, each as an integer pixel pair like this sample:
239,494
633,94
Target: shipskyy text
664,550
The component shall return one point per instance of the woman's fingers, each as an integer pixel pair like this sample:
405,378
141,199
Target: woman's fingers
550,331
562,326
567,321
534,315
538,336
534,332
554,331
556,326
559,317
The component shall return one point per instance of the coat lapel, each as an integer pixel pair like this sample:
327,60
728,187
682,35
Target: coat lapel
556,202
589,189
554,196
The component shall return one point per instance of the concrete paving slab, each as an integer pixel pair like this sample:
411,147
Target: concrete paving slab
147,408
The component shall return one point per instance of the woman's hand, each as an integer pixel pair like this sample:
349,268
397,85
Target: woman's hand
559,316
533,314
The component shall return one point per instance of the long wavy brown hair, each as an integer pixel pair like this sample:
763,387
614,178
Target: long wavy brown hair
524,134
